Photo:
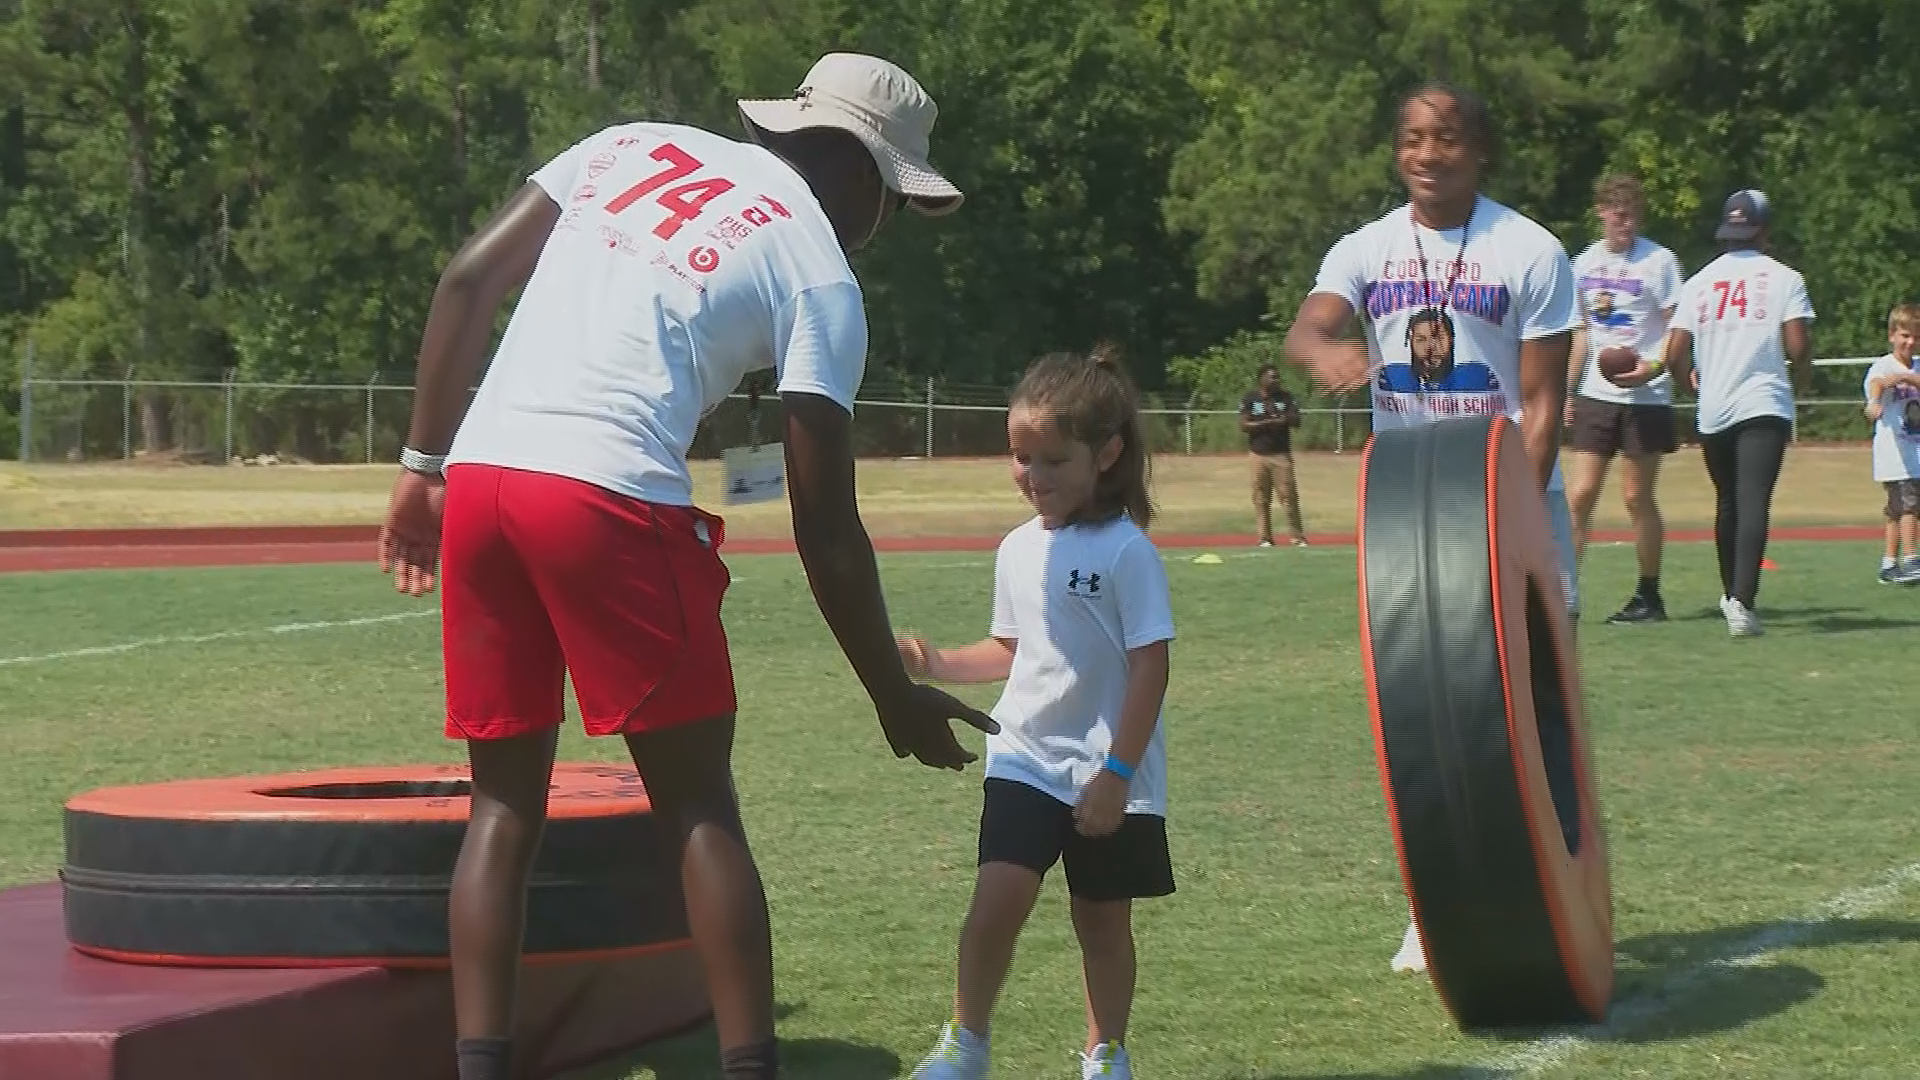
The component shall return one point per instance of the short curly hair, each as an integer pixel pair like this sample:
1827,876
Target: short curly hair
1475,117
1619,189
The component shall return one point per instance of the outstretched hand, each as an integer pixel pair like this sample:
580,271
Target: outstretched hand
919,724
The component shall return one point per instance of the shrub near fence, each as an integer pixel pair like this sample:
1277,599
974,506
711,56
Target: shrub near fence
96,420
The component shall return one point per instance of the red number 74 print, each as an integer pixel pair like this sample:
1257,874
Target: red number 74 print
683,202
1732,294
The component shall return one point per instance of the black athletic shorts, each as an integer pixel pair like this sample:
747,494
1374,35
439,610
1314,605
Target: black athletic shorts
1027,827
1608,428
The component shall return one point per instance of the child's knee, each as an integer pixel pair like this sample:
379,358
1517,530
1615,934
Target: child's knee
1003,896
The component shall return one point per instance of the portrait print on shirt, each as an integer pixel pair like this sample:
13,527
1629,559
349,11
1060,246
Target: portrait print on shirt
1433,361
1624,296
1446,311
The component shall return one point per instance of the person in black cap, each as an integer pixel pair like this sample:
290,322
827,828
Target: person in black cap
1268,415
1742,337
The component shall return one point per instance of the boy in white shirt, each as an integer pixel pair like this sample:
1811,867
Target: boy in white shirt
1628,285
1892,388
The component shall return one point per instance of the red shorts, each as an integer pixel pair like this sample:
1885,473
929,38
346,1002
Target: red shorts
544,576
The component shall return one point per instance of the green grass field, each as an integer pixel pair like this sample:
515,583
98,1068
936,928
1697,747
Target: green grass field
1746,783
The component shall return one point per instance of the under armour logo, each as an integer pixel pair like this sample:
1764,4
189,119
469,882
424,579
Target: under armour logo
1091,582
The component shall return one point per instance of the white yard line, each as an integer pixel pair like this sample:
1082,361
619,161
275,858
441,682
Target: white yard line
223,635
1756,949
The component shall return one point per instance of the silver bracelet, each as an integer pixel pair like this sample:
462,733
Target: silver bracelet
425,464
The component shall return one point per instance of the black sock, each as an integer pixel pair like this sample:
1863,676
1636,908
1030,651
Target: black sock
483,1059
1650,589
760,1061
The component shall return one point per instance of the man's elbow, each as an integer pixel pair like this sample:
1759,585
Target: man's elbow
464,277
1299,340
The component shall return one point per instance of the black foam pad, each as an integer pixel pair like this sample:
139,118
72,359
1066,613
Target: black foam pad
1478,725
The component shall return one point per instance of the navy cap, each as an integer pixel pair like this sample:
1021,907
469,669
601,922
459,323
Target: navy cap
1746,213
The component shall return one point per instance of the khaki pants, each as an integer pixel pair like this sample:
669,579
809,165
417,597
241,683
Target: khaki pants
1273,476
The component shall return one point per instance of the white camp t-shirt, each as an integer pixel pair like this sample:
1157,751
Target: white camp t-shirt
1896,435
682,261
1734,308
1515,284
1076,599
1624,298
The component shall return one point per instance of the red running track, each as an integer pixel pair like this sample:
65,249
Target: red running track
102,549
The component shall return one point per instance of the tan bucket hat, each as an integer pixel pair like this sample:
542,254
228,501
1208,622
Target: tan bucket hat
882,106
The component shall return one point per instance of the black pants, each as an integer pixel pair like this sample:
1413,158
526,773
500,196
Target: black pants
1744,462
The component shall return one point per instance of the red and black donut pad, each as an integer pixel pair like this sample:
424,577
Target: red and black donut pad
351,867
1479,727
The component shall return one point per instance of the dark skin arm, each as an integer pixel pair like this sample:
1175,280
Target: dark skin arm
495,261
491,264
1679,358
1543,395
1317,339
1796,337
1249,425
838,555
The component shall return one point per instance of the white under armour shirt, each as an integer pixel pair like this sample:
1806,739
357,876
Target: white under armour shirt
682,261
1514,284
1896,435
1624,297
1734,308
1076,599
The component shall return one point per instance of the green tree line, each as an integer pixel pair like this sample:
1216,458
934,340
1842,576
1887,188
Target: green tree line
270,187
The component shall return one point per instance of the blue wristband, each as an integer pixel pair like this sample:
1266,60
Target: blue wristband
1119,768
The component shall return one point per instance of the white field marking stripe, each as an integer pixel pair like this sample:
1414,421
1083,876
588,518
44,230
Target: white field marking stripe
1756,949
196,639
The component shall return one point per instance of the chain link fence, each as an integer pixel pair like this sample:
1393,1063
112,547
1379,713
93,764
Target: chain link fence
79,420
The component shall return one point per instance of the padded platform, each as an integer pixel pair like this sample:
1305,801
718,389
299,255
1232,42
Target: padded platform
65,1016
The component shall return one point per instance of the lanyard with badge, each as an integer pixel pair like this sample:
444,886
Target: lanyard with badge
1437,315
754,472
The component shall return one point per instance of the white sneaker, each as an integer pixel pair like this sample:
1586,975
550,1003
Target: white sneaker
1108,1061
1741,621
959,1054
1412,956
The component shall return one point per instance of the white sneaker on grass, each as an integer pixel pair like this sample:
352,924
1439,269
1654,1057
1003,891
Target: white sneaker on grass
1741,621
958,1054
1108,1061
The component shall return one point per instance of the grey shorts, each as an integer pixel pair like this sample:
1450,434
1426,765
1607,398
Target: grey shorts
1903,498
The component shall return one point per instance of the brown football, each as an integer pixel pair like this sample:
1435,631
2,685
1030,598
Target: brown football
1618,361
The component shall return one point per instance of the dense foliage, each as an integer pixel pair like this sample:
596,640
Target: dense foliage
189,187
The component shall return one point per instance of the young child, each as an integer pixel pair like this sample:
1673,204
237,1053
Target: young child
1080,631
1892,388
